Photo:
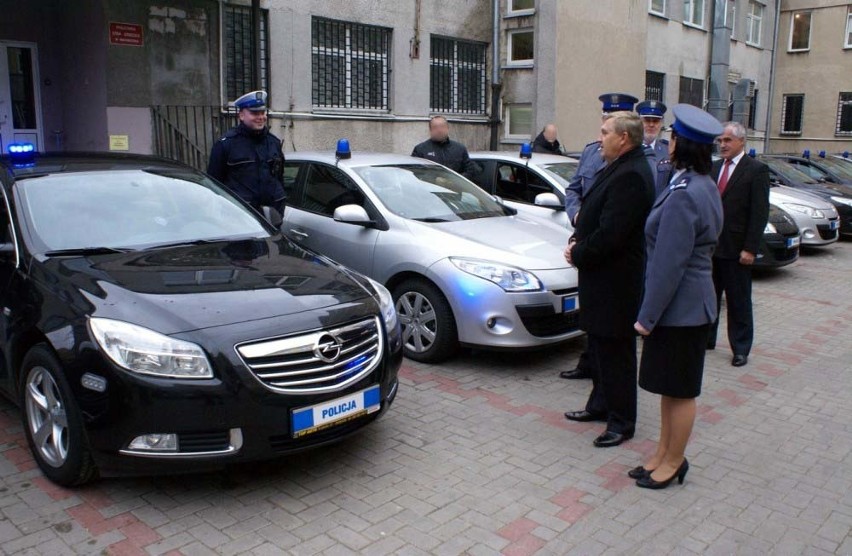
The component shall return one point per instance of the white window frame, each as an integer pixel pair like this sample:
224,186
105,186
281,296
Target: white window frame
810,31
847,40
510,38
512,12
689,9
661,13
508,124
754,20
731,14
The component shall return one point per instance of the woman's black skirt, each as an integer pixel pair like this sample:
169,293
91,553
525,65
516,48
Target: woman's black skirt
673,360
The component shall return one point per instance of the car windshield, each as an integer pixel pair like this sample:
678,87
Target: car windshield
788,171
131,209
563,171
428,193
842,169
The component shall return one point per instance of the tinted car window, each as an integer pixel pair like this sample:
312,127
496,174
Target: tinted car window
517,183
812,171
291,172
131,209
562,171
327,188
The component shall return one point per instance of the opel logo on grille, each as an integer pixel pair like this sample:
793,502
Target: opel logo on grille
328,348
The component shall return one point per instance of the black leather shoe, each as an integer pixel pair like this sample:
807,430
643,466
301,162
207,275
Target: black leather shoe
680,475
739,360
639,472
584,416
575,374
711,347
610,439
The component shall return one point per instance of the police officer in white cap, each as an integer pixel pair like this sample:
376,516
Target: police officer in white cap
249,159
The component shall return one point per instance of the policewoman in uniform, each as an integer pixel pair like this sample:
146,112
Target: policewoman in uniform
249,159
679,304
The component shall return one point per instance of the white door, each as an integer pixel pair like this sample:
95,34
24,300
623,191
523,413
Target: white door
20,102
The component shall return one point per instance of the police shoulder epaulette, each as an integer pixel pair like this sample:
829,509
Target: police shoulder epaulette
679,185
664,162
230,133
592,143
663,141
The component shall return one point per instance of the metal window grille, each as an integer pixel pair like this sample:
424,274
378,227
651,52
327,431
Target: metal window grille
457,76
791,114
655,85
350,65
752,111
238,49
692,91
844,115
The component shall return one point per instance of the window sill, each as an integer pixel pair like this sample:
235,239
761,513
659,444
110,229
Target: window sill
519,65
519,13
658,15
798,51
515,140
754,45
791,133
694,26
350,111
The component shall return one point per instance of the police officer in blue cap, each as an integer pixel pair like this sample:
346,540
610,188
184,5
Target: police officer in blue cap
249,159
679,303
652,113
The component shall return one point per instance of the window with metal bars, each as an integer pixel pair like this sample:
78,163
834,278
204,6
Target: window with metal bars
752,111
655,85
350,65
691,91
238,47
792,109
457,76
844,115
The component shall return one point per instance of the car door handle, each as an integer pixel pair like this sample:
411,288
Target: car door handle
299,234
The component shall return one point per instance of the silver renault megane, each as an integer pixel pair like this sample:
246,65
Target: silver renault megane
463,268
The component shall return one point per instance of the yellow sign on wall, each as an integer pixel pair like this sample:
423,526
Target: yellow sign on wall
119,143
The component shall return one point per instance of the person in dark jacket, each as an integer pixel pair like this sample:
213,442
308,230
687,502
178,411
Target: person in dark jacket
443,150
546,141
679,303
249,159
608,250
744,185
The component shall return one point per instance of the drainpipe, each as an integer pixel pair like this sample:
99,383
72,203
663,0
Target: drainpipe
720,61
496,85
772,77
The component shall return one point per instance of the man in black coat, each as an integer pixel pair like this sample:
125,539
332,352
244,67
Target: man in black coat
744,185
608,250
546,141
443,150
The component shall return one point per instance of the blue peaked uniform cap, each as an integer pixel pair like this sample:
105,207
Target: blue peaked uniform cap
614,102
651,109
255,100
695,124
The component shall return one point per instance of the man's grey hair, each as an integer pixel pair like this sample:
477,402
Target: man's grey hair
630,123
738,130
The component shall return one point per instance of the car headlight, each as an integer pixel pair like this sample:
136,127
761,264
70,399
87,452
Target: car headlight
147,352
510,278
804,209
770,228
843,200
386,305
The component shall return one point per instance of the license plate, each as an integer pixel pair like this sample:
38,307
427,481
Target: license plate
570,303
833,225
793,242
307,420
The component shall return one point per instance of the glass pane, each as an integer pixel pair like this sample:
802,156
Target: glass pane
849,30
21,87
328,188
801,31
520,120
658,6
522,46
517,5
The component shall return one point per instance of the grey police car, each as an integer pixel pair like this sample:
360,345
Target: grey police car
817,219
462,267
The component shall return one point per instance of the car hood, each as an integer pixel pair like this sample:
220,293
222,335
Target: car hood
179,289
783,194
522,240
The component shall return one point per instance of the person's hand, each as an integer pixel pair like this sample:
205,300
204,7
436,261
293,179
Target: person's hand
568,257
641,329
746,258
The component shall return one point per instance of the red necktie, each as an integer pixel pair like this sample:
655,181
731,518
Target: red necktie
723,179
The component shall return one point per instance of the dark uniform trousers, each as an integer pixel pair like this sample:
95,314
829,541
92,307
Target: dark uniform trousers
734,280
614,389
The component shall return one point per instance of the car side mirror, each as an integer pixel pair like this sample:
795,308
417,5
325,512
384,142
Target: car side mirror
353,214
273,217
549,200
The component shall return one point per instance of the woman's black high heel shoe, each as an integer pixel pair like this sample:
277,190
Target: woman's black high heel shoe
680,475
639,472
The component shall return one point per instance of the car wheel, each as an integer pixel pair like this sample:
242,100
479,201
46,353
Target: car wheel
52,421
428,326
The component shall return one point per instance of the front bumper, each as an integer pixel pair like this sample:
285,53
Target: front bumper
776,250
227,419
487,316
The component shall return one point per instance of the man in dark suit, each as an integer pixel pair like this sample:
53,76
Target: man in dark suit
744,185
608,250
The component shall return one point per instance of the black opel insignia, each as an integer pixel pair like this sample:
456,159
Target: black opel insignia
152,322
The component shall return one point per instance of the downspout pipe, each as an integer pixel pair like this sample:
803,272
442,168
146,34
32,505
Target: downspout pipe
496,84
720,62
772,67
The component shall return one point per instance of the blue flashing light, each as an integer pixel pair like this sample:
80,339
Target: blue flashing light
21,153
343,150
752,153
822,154
807,154
845,154
526,150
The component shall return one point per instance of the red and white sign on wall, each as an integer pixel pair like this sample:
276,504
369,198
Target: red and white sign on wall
125,34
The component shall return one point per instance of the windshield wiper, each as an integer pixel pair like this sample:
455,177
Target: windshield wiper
431,219
185,243
83,251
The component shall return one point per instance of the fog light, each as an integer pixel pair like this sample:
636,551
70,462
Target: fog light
155,443
93,382
491,322
810,234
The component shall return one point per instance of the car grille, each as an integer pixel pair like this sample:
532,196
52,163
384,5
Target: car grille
316,362
825,232
542,321
214,441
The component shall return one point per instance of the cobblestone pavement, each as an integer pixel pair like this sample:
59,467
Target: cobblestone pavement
475,457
